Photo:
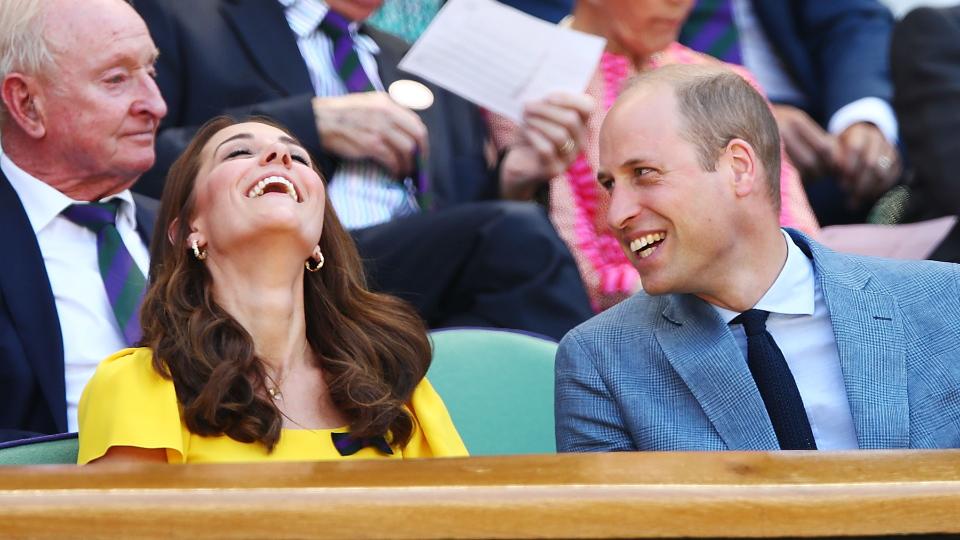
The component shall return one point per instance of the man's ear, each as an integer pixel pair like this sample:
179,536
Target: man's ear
743,162
24,103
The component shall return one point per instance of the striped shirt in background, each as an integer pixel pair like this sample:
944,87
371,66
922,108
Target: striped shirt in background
362,191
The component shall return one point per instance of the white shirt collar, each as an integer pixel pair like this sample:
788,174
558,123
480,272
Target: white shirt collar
304,18
43,203
793,291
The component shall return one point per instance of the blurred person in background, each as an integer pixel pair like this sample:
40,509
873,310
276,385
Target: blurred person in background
825,67
428,227
925,60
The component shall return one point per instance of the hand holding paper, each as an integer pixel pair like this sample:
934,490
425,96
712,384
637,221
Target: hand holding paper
501,58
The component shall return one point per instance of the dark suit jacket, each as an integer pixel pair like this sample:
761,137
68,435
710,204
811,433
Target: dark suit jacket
835,50
925,55
239,57
32,388
548,10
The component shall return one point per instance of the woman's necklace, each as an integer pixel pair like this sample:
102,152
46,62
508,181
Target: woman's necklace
315,431
275,386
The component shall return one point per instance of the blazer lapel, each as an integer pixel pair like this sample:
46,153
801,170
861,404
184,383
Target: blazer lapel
262,27
26,288
868,327
704,353
146,209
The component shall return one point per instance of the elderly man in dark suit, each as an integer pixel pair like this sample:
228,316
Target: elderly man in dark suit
79,112
490,263
747,336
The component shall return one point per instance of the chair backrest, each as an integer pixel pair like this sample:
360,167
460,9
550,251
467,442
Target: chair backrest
498,387
47,449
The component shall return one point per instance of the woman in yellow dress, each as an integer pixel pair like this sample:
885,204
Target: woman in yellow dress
261,341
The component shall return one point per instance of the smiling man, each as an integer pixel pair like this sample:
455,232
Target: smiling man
78,119
746,336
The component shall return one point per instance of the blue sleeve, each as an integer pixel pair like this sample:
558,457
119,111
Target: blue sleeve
587,415
849,42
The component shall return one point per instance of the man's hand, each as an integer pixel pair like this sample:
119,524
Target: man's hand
868,165
811,149
370,125
552,134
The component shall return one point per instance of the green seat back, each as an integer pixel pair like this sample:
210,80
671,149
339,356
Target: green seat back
57,449
498,387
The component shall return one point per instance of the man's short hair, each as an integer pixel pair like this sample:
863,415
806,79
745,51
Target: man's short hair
23,45
716,106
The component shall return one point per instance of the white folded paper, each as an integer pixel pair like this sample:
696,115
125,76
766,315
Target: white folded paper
500,58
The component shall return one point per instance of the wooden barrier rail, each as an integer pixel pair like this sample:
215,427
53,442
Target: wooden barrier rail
650,495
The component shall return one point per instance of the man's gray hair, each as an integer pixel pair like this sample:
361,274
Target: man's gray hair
23,45
716,106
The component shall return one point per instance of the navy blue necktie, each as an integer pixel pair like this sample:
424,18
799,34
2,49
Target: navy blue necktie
775,383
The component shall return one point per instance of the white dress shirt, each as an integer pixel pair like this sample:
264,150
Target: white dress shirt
760,58
87,323
362,191
800,324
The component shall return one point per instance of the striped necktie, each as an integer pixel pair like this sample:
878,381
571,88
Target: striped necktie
121,277
711,29
345,58
347,63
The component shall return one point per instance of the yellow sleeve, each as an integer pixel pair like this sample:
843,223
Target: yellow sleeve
127,403
434,434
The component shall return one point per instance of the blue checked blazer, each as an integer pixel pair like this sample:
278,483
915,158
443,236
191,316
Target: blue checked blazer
665,372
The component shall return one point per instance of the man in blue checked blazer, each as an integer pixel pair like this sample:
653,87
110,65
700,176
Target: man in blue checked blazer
746,336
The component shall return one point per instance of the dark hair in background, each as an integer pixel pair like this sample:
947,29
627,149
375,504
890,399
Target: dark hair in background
373,348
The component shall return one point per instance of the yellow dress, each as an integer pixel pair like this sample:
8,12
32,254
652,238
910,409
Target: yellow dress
127,403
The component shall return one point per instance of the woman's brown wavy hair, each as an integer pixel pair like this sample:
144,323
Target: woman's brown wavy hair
373,348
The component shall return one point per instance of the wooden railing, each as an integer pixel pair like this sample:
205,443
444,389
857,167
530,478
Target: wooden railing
651,495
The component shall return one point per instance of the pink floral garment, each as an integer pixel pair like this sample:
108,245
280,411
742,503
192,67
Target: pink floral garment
578,205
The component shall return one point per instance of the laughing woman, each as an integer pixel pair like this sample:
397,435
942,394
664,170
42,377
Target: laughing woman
261,339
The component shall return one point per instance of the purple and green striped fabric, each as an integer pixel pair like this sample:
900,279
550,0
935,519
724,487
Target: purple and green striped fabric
711,29
345,57
122,278
346,61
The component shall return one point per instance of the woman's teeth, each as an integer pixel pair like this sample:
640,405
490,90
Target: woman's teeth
264,186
